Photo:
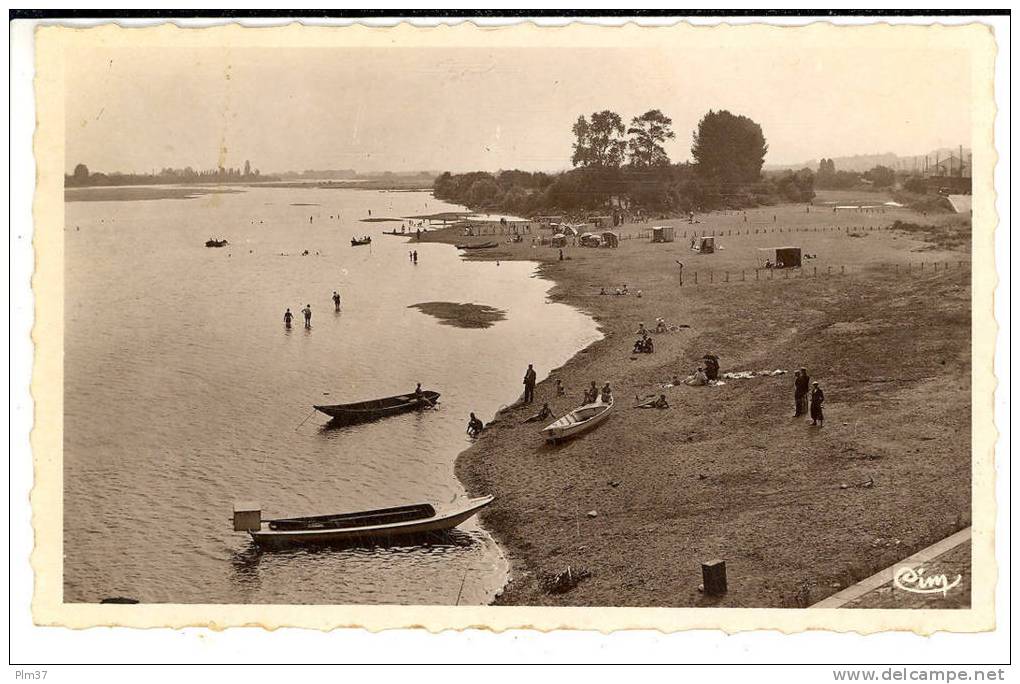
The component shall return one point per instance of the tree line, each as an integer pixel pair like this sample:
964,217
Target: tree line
627,166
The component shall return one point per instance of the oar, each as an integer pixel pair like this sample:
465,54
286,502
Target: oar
304,421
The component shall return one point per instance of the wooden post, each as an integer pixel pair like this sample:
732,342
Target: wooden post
842,269
695,277
727,276
816,270
742,276
713,577
711,279
756,274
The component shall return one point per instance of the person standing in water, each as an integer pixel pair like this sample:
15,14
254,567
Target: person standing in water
307,311
414,257
336,300
287,318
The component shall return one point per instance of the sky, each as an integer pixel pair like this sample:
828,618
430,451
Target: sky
460,109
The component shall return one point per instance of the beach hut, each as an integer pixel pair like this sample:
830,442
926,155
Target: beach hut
590,240
602,221
706,244
789,257
662,234
559,240
610,239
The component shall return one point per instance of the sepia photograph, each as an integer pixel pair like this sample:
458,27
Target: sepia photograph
461,326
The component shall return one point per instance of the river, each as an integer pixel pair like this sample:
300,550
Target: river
183,393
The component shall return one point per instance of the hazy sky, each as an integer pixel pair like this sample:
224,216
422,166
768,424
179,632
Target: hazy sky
462,109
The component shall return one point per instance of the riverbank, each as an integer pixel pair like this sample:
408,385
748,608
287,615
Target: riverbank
881,319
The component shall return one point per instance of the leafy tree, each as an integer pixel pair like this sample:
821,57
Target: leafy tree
881,176
483,191
729,148
81,172
648,132
599,143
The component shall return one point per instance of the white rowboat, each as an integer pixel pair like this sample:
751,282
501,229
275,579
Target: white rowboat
581,419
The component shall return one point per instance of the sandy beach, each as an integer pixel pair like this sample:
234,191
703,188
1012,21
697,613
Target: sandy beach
880,318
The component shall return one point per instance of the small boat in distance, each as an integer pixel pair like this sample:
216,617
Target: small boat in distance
579,420
215,243
357,527
355,242
361,411
480,245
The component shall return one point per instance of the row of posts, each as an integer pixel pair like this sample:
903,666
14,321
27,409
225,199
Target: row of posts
934,266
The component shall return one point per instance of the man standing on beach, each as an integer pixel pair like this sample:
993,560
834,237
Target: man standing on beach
336,300
529,384
802,385
307,311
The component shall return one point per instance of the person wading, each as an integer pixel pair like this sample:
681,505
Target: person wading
336,300
287,318
529,384
307,311
817,401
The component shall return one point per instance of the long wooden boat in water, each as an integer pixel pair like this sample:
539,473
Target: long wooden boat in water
352,528
360,411
358,243
581,419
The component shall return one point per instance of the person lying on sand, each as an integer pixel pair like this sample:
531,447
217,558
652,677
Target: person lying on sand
656,403
545,413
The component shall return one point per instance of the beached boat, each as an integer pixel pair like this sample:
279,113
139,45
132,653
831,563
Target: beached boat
215,243
579,420
481,245
352,528
357,243
361,411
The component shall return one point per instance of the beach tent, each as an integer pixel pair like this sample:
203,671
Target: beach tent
789,257
590,240
706,244
662,234
559,240
610,239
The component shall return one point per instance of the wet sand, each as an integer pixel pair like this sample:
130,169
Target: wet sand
727,472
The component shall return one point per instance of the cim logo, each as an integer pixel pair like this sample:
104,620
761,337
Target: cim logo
913,579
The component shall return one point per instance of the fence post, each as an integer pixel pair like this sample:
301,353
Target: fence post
756,274
695,277
742,278
816,271
727,276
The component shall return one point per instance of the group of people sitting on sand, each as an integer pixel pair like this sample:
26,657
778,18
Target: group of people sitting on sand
620,291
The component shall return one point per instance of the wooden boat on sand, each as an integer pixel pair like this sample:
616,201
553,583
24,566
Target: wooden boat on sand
358,243
215,243
361,411
481,245
579,420
352,528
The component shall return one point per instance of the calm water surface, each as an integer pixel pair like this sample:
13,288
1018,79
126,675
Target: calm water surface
184,393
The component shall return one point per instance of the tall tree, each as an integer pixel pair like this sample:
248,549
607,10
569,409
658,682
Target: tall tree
647,133
729,148
599,143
